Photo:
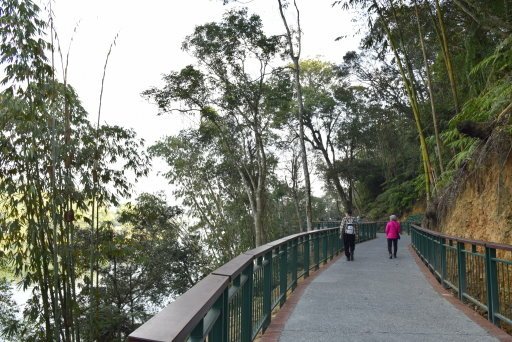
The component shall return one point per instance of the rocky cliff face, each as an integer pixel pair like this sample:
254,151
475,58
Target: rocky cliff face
478,205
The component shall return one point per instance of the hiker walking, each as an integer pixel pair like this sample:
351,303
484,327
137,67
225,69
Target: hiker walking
348,233
393,234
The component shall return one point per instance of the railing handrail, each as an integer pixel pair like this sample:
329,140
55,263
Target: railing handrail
482,243
183,323
198,299
181,318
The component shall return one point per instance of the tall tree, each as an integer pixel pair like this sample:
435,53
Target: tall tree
324,115
294,40
210,191
337,121
236,103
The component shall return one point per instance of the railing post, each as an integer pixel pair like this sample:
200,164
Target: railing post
431,251
267,289
335,241
317,250
492,284
247,299
197,334
442,243
436,254
324,247
327,245
294,262
461,262
424,241
331,244
306,255
219,331
418,240
340,242
283,272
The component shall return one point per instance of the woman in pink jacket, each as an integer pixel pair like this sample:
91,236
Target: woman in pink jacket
393,234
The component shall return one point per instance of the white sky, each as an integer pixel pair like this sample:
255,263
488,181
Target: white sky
149,45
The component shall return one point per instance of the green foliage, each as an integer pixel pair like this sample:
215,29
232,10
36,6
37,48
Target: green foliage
146,261
396,199
486,106
9,325
210,190
479,43
333,123
55,168
22,46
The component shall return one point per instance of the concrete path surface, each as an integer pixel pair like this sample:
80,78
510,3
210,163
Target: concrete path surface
374,298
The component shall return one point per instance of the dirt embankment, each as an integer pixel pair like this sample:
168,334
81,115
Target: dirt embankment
478,205
483,211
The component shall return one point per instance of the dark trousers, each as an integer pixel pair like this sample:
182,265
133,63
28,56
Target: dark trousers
395,245
349,243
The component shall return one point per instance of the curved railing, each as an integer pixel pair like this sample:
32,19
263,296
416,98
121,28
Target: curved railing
480,272
235,302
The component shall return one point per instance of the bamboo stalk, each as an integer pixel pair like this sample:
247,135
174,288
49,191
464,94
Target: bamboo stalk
56,304
412,100
446,55
95,204
430,91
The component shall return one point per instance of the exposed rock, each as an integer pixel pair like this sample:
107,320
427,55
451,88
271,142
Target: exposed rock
480,130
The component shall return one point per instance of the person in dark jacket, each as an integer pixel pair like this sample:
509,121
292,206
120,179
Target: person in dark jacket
348,233
393,234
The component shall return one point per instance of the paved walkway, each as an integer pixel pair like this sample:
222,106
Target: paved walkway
374,298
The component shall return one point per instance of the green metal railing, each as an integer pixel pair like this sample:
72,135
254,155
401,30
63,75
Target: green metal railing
412,219
480,272
235,302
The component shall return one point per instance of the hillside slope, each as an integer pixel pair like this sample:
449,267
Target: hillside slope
478,204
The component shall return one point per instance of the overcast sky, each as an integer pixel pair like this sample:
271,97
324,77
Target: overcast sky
149,40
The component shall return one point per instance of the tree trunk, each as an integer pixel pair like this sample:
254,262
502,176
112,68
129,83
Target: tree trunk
298,88
258,225
295,189
255,204
318,145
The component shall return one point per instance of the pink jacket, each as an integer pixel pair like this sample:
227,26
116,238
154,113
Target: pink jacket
392,229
